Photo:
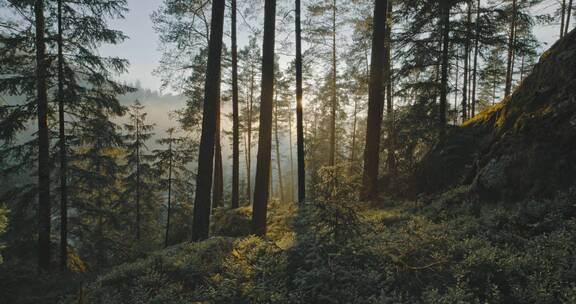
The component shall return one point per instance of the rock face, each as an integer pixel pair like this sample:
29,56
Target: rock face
523,147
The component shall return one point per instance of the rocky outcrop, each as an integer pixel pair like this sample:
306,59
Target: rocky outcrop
523,147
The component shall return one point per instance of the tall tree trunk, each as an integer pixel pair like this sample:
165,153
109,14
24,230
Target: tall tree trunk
44,207
522,68
235,118
511,45
457,59
466,63
261,194
62,140
278,160
299,114
249,150
475,73
389,101
568,16
201,220
218,191
444,82
375,103
169,209
291,156
137,176
562,18
353,146
332,156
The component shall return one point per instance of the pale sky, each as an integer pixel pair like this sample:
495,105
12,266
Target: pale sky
142,47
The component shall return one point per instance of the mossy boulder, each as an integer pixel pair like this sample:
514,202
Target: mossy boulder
524,146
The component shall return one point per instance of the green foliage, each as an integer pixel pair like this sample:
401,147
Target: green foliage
453,249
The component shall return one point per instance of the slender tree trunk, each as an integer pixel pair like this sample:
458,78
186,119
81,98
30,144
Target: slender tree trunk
475,73
375,103
63,157
511,45
169,209
522,69
389,101
218,191
444,82
44,206
562,18
249,151
201,221
246,162
466,63
568,16
278,160
353,147
457,59
291,156
261,191
137,176
332,156
299,114
235,118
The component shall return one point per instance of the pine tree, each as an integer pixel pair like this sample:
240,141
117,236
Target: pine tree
492,76
172,162
236,119
140,176
44,209
375,102
201,221
95,188
261,190
250,58
299,110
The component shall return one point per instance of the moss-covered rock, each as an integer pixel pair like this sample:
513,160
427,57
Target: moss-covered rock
523,147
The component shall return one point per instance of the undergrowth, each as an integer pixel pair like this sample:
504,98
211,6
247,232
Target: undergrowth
450,249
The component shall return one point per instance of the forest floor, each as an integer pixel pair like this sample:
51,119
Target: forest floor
444,249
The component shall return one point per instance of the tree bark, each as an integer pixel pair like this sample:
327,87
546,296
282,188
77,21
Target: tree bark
562,18
218,191
511,39
62,148
568,16
299,114
169,209
375,103
457,59
137,176
389,98
291,156
278,160
249,150
201,220
261,190
235,118
44,204
444,81
466,63
475,68
332,156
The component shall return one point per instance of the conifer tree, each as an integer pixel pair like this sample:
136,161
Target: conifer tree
201,220
375,102
261,190
140,178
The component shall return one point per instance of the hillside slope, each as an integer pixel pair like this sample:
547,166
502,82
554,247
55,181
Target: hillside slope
523,147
